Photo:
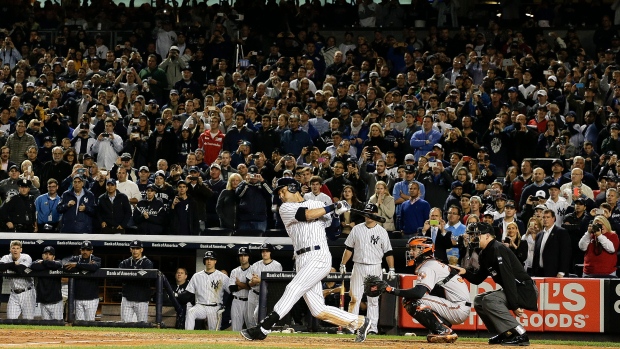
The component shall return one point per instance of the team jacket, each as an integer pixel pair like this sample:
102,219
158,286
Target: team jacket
156,211
506,270
48,288
137,290
73,220
114,213
85,289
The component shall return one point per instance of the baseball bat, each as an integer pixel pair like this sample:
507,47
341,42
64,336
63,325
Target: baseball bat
372,216
341,298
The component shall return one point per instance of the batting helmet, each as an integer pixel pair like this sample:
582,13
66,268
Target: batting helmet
266,246
423,243
290,183
243,250
209,255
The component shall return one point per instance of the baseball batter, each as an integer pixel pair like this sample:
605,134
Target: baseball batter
253,280
370,243
23,296
49,294
208,286
239,289
305,223
449,303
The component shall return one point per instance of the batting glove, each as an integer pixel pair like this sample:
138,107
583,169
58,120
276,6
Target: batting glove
343,269
342,207
391,275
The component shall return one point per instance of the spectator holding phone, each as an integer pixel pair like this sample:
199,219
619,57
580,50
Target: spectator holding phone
600,244
514,243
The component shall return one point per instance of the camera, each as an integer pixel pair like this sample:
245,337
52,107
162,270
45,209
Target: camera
496,122
193,178
596,227
507,240
255,157
517,125
105,134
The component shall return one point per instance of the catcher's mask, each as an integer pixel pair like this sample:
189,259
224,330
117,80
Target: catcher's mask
424,246
474,230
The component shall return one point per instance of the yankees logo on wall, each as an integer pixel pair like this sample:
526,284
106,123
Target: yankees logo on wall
374,239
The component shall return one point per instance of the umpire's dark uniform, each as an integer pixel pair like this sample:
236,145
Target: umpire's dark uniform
518,289
20,210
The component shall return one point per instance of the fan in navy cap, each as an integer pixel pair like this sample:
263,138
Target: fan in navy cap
136,293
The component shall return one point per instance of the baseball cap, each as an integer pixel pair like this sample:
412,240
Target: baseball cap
409,168
210,255
174,92
374,74
438,145
136,244
30,84
456,184
24,183
150,186
174,48
554,185
253,169
513,89
243,251
502,197
488,213
580,201
126,157
86,245
398,107
144,168
557,162
193,169
160,173
541,93
159,121
50,250
409,157
510,203
541,194
344,105
214,165
540,207
110,181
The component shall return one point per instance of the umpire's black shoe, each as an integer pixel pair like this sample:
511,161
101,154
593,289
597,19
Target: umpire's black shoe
498,338
518,340
253,334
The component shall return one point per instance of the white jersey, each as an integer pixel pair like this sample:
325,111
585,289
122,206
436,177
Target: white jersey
559,208
242,275
370,244
209,288
432,271
305,234
322,197
21,283
259,267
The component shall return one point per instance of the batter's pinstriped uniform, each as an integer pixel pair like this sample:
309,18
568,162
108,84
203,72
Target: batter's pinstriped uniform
239,310
257,268
23,296
452,307
209,289
370,245
313,262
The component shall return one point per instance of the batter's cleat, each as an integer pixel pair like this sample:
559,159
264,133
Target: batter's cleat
362,332
253,334
442,338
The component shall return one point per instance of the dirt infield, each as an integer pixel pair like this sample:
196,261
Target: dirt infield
70,337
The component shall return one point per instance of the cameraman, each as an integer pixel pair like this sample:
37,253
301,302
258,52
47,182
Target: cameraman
600,244
8,53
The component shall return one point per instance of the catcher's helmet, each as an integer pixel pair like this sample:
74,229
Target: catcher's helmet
266,246
423,243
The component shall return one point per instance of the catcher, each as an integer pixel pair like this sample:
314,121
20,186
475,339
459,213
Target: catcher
439,299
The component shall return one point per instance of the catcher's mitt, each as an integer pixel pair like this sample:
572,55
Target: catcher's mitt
374,286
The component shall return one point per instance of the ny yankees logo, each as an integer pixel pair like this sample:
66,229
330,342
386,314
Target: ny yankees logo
374,239
215,284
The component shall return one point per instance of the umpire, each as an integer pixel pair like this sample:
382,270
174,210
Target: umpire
19,212
518,289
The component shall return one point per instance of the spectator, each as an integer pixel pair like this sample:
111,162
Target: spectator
19,213
56,168
113,210
77,207
150,213
414,211
156,79
108,145
385,203
600,244
349,219
228,202
48,217
514,243
184,213
253,193
552,251
19,142
423,141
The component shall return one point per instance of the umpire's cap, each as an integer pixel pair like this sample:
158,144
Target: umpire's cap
266,246
243,251
289,183
209,255
86,245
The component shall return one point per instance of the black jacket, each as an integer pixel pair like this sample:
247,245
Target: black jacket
137,290
497,261
19,210
442,244
156,211
57,170
556,255
114,213
85,289
48,288
226,208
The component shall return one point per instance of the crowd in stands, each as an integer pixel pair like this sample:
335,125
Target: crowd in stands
166,133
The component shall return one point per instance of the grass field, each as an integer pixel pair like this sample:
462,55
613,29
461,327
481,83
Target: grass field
89,337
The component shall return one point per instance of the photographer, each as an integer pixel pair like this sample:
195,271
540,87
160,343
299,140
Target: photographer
173,66
600,244
254,194
561,147
8,53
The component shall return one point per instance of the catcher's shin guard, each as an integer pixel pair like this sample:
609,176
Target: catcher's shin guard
429,319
